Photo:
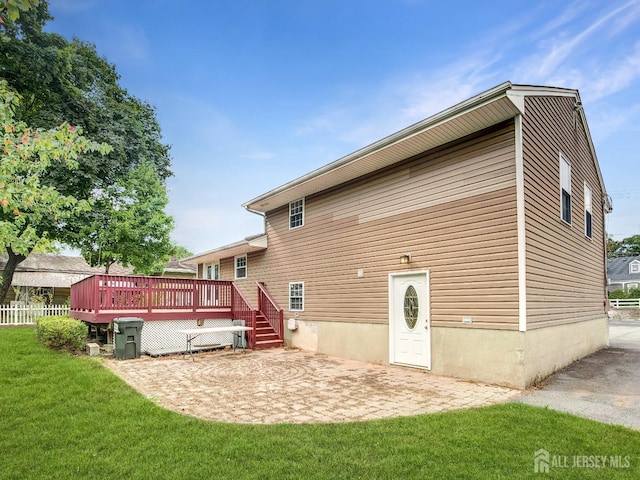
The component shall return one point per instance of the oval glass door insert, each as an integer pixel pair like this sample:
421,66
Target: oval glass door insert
411,307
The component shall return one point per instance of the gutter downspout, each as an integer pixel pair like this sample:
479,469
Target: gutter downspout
262,214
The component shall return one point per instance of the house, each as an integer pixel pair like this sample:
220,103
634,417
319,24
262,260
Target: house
178,269
623,273
470,244
49,277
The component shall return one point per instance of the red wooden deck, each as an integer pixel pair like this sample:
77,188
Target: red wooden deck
102,298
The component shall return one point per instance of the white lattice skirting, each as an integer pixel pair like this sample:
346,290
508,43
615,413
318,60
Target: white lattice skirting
161,337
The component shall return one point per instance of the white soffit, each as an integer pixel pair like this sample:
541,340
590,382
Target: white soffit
248,245
479,112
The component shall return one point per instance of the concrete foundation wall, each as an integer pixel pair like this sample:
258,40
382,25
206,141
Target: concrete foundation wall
552,348
365,342
502,357
491,356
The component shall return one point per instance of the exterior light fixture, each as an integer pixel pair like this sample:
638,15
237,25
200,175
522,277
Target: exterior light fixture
405,258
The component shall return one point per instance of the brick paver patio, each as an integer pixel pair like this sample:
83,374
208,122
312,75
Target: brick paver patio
293,386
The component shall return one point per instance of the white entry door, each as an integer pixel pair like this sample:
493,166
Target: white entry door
409,326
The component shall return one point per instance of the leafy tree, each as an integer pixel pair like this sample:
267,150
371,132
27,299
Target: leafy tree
11,9
612,246
30,210
181,252
62,80
627,247
130,226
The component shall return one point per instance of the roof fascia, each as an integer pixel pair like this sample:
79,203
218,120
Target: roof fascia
531,91
440,118
249,244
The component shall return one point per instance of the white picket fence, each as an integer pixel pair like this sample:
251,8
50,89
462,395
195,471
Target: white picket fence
27,314
625,302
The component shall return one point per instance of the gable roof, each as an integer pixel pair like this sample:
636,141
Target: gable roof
254,243
42,262
178,266
46,270
488,108
618,269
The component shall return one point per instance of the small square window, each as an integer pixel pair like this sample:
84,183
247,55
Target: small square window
634,267
296,214
241,267
296,296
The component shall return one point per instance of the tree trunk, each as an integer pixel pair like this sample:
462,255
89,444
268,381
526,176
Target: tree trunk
13,261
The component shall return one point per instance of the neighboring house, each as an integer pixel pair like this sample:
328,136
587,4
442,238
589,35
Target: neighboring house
179,269
470,244
49,277
623,273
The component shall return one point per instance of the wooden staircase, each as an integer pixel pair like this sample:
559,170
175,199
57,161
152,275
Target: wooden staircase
266,336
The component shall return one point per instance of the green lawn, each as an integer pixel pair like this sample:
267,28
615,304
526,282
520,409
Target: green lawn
68,417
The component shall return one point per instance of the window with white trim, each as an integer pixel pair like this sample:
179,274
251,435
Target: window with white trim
296,214
634,267
296,296
565,190
212,271
588,227
241,267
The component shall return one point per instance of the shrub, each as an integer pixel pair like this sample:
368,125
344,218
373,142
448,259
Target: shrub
618,294
61,332
633,293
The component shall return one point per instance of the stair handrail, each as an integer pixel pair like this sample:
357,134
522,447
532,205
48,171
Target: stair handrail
241,309
269,309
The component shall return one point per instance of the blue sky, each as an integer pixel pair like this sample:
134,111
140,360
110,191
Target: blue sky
254,93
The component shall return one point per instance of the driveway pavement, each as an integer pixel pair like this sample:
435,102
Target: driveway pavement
604,386
293,386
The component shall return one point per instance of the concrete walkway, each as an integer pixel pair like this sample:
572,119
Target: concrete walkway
293,386
604,386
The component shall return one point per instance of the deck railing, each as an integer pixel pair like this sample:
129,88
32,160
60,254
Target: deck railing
268,307
131,293
625,302
102,298
242,310
27,314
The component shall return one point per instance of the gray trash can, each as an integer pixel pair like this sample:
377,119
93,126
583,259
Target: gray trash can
126,332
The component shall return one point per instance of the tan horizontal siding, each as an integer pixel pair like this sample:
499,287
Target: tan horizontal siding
452,208
565,269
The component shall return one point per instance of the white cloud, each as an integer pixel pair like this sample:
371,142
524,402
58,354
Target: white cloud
258,155
616,76
559,41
